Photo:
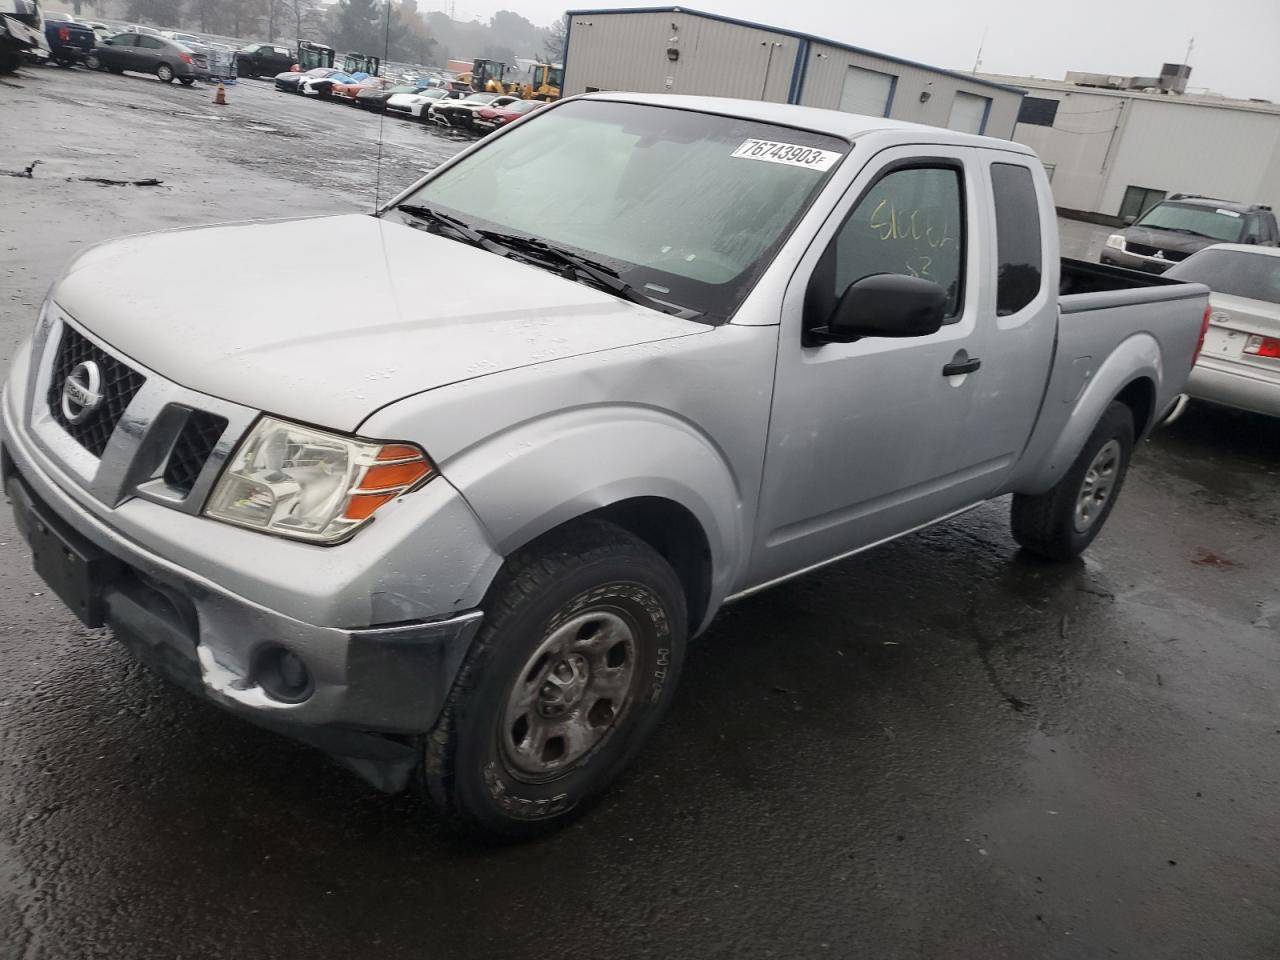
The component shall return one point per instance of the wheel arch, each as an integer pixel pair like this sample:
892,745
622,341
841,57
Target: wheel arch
654,475
1131,375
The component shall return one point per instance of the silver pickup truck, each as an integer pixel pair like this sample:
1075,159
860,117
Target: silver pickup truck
450,505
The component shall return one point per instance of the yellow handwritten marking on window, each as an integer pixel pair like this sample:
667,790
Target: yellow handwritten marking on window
895,224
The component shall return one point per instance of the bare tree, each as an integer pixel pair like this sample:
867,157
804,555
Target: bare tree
558,35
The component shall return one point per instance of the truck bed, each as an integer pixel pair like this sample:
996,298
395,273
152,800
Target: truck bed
1081,280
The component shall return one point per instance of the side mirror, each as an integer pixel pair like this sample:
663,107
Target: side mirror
1129,220
885,305
109,41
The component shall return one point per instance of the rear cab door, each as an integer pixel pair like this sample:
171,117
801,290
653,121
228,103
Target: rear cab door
872,438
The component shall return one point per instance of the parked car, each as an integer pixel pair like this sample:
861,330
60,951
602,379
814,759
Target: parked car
417,103
263,60
290,81
349,91
70,41
636,396
21,32
1240,364
140,28
189,39
101,31
144,53
1175,228
459,113
375,98
491,117
322,87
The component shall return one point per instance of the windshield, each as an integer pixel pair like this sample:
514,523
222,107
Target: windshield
687,207
1225,225
1255,276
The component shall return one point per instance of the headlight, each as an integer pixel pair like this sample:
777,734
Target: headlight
1116,241
311,485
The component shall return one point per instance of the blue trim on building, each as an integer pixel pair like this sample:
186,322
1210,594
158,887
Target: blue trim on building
799,35
893,91
986,115
797,71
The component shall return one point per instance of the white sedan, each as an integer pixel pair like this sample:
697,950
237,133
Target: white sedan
415,104
1240,364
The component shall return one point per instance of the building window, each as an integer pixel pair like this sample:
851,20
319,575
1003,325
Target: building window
1138,200
969,113
867,92
1040,111
1017,237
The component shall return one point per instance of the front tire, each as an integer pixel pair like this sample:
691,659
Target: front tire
186,81
1061,523
91,62
165,73
574,667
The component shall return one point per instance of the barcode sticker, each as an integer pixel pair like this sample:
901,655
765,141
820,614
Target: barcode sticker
792,154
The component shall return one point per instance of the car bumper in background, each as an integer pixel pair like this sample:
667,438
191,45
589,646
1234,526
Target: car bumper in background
1134,261
1235,386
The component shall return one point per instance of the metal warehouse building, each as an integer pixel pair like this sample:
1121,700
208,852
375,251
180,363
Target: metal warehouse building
1115,145
677,50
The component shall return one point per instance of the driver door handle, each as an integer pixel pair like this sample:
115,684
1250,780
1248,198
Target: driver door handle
957,367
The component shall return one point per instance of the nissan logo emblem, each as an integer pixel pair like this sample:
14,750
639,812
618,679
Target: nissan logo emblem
82,391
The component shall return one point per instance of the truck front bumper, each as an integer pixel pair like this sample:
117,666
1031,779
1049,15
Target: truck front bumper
361,695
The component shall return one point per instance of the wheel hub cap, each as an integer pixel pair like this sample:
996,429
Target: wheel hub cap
1098,485
572,693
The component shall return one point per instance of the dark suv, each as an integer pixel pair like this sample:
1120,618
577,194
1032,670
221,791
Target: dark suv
263,60
1179,225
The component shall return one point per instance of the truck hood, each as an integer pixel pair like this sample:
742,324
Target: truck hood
326,320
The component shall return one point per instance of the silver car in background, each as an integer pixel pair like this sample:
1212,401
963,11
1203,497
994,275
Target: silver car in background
1240,364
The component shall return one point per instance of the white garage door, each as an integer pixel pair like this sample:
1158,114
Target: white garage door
866,92
968,113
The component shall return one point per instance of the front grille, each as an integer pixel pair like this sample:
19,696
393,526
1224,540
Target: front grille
1149,251
119,385
191,451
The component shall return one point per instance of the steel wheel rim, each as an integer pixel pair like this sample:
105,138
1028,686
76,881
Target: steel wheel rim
1098,485
165,72
572,693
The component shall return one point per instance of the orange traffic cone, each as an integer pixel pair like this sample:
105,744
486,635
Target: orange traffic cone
220,98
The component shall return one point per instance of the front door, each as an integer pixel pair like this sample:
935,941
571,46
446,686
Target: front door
876,437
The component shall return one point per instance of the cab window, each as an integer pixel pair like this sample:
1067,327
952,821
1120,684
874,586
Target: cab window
910,222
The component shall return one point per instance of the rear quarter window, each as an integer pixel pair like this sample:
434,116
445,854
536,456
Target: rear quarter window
1018,246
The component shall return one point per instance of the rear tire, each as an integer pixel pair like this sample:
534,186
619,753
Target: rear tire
9,60
1060,523
116,70
165,73
574,667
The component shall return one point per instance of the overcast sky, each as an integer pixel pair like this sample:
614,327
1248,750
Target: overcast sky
1237,50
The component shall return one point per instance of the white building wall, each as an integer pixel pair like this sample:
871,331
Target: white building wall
628,51
827,66
1102,143
1077,144
1182,147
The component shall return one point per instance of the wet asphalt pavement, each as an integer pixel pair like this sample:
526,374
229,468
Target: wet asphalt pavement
938,749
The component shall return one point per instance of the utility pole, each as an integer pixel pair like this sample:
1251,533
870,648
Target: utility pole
977,62
1190,46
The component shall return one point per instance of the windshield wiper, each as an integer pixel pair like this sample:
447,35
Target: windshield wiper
598,274
459,228
1186,230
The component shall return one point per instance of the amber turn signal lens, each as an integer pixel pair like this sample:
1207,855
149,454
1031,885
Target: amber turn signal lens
384,476
362,505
